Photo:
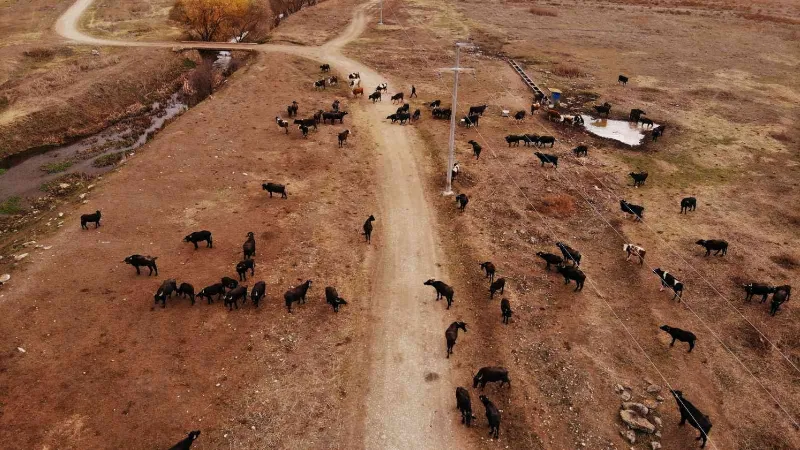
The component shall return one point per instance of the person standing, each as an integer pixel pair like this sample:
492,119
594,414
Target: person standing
413,91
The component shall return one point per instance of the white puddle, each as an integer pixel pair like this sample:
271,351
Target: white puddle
619,130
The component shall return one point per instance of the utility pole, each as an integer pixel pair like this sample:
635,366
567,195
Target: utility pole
380,22
451,156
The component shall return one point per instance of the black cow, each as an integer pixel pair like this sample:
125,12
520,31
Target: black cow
492,416
90,218
275,188
233,296
209,292
514,139
570,254
186,290
544,140
142,261
476,149
489,269
505,309
498,285
186,443
622,79
243,266
471,120
464,404
375,96
308,123
477,110
200,236
546,158
630,208
258,292
296,294
550,259
780,296
638,178
688,204
668,280
451,335
442,290
757,289
716,245
696,418
167,288
491,375
680,335
581,150
635,115
605,108
573,273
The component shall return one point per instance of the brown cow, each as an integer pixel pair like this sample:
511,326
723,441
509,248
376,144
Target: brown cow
552,114
358,91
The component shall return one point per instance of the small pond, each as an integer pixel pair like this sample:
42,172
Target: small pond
628,133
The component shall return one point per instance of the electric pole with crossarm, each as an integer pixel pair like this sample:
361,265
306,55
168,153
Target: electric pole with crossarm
456,70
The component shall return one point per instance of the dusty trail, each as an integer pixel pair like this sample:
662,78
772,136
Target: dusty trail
410,401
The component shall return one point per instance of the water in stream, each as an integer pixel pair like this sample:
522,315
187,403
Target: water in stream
25,173
628,133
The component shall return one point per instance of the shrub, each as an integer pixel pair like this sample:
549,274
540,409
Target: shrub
537,11
39,54
10,206
2,171
567,71
786,261
189,64
202,82
108,159
4,102
56,166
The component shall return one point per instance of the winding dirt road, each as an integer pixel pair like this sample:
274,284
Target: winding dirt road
410,400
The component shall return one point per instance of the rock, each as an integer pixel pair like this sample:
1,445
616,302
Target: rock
650,403
626,395
629,435
85,202
660,398
20,257
95,53
61,214
618,388
658,434
89,186
29,243
4,278
657,421
653,388
655,445
20,349
636,422
47,247
63,186
82,196
637,407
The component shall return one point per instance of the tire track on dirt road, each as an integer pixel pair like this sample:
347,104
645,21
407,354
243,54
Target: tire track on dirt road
410,398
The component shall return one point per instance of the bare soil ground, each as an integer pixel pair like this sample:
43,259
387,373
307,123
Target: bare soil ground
132,20
729,103
250,378
315,25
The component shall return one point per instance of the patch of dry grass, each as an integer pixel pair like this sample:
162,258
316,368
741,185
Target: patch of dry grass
758,17
568,71
537,11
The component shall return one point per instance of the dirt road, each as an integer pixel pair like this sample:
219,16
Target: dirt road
410,386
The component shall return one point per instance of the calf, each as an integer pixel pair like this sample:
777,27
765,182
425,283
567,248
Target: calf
546,158
435,104
638,178
333,299
688,204
519,116
646,122
243,266
514,139
296,294
572,273
488,267
498,285
550,259
397,97
505,309
303,130
186,443
464,404
210,291
368,228
622,79
403,118
629,208
333,81
403,108
142,261
696,418
462,200
442,290
680,335
491,375
473,110
200,236
757,289
325,68
657,133
258,292
233,296
530,139
476,148
249,246
320,84
634,250
186,290
451,334
416,115
358,91
308,123
343,137
717,245
167,288
668,280
492,416
282,124
291,110
544,140
570,254
90,218
581,150
442,113
780,296
375,96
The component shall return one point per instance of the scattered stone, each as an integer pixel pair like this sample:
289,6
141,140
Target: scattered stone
655,445
618,388
636,422
82,196
653,388
89,186
60,214
657,421
85,202
95,53
26,244
629,435
20,349
47,247
637,407
20,257
650,403
660,398
626,395
658,434
63,186
4,278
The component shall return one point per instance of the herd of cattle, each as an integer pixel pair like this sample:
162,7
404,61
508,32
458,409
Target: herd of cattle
231,292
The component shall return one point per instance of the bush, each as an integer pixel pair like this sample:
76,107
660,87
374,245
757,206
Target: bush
2,171
10,206
567,71
108,159
56,166
39,54
189,64
537,11
4,102
202,82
